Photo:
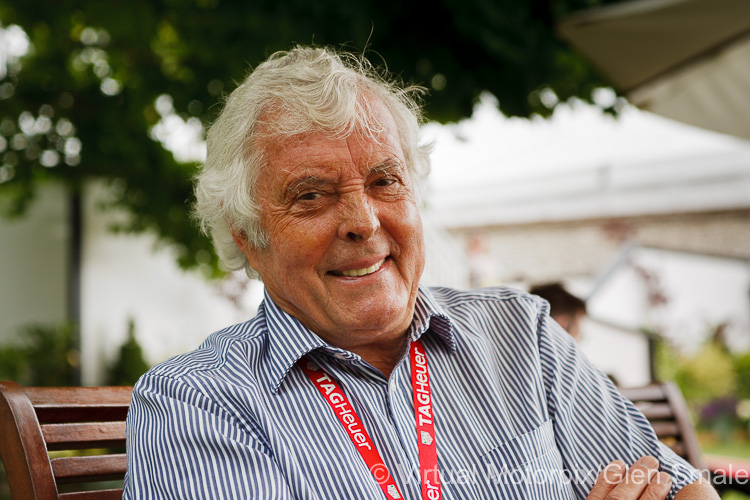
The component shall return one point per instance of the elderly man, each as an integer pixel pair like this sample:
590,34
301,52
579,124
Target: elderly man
353,381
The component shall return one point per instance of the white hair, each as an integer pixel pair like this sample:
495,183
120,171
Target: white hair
303,90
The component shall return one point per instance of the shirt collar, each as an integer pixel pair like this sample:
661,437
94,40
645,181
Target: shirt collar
289,340
428,313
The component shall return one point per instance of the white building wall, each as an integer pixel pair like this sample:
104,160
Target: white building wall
124,276
700,292
33,264
618,353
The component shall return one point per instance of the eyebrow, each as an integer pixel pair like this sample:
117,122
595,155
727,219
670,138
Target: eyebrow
393,168
389,165
304,182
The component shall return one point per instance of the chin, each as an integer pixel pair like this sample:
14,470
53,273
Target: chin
382,319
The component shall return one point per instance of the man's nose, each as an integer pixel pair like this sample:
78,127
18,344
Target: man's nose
359,219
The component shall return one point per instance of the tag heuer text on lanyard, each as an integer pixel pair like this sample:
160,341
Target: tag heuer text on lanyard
427,445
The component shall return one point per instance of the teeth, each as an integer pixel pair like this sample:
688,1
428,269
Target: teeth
362,272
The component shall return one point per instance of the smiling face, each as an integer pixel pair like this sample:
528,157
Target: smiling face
346,249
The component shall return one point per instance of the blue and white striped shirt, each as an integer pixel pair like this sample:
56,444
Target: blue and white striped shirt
519,412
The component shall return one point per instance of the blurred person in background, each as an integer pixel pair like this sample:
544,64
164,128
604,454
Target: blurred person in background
353,381
565,308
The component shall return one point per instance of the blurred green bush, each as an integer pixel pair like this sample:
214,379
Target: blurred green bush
130,363
41,355
716,384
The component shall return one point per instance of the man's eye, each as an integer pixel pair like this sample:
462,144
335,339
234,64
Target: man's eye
309,196
384,182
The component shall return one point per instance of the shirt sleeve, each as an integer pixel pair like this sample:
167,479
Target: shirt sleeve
182,445
593,423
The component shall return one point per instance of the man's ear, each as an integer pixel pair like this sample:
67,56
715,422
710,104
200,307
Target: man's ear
240,239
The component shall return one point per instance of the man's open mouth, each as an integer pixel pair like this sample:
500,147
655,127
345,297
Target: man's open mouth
353,273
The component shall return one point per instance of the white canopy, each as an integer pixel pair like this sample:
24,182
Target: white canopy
688,60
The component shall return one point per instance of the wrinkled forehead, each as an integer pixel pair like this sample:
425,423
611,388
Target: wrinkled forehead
327,152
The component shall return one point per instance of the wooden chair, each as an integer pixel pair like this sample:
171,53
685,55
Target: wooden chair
38,420
664,407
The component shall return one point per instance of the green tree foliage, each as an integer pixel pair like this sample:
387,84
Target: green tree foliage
130,363
81,104
707,374
43,355
742,368
714,381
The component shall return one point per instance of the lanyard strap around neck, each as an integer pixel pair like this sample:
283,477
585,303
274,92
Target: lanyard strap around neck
427,444
426,441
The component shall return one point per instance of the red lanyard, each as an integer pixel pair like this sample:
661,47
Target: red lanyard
427,445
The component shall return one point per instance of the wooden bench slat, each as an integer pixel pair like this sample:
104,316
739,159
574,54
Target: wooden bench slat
93,495
79,404
57,415
656,411
84,435
647,393
666,429
89,468
69,397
